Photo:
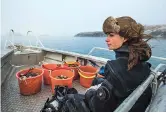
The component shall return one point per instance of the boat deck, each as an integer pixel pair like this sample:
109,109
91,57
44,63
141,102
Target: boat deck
13,101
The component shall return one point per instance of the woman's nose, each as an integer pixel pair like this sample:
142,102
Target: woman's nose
107,39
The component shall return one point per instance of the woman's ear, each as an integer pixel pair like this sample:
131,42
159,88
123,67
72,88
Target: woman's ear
124,39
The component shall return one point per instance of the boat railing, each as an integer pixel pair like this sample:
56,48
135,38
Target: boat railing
38,41
100,48
134,96
14,46
11,42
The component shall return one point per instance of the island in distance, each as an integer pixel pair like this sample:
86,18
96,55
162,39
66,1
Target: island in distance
154,30
91,34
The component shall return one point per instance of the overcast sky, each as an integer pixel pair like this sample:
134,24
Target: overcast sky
68,17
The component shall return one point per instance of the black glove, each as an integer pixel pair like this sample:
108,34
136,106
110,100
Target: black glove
56,102
75,103
62,91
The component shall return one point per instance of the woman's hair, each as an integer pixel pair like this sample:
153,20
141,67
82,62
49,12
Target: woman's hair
128,28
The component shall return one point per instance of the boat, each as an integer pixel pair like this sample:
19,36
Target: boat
20,57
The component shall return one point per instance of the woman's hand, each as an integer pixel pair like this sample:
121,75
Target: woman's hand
100,76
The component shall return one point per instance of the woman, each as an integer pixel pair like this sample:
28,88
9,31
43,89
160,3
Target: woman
122,75
130,69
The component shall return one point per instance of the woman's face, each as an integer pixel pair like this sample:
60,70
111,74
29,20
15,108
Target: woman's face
114,41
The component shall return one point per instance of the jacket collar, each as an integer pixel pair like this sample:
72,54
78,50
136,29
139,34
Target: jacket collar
123,51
